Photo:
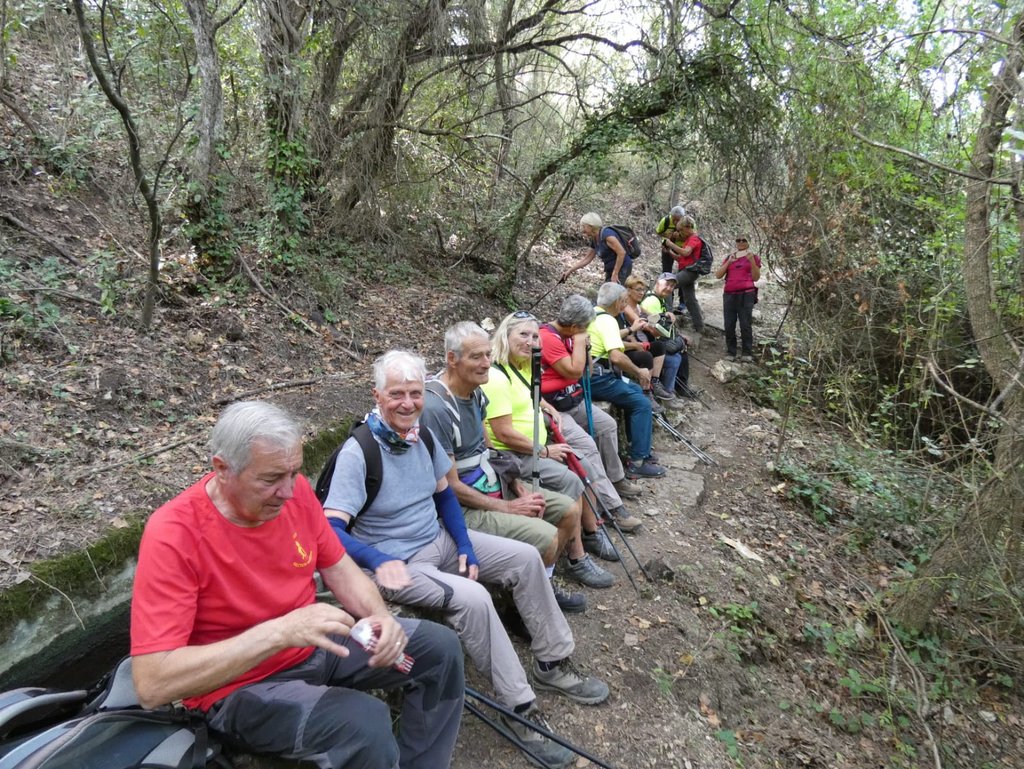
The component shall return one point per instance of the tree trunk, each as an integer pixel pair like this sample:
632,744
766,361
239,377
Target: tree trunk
148,190
973,544
210,120
375,147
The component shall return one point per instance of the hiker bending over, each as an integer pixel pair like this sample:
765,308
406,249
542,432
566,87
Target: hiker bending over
486,482
409,534
606,384
510,423
655,304
224,617
687,255
669,229
564,358
741,269
605,243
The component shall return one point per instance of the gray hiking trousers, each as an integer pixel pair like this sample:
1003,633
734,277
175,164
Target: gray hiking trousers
469,609
319,712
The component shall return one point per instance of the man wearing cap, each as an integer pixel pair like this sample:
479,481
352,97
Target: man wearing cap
655,303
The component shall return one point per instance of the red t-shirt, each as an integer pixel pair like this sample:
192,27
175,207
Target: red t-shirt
202,579
739,276
685,261
553,347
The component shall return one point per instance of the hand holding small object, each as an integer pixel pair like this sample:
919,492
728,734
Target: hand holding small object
366,632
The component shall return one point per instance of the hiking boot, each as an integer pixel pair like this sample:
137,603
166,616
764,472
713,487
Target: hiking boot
548,753
626,521
655,406
626,488
746,358
599,545
569,603
645,469
589,574
660,392
731,357
568,680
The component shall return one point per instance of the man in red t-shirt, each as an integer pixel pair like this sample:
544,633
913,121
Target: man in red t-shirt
225,618
687,255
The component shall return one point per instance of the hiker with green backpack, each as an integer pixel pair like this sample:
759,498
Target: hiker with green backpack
616,244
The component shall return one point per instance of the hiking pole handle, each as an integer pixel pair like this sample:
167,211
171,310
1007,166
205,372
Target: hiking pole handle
570,459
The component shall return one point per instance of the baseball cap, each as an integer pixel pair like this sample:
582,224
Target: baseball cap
668,276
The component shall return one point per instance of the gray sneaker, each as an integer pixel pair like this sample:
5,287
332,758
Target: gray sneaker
548,753
660,392
626,520
568,680
655,406
598,544
626,488
589,574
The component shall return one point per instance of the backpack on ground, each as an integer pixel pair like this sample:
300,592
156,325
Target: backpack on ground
703,265
629,239
374,464
110,731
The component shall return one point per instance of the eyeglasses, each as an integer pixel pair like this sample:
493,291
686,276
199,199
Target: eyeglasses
523,315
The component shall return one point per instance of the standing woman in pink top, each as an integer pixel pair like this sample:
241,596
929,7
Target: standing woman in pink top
740,269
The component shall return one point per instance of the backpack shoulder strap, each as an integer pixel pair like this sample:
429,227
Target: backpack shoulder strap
374,463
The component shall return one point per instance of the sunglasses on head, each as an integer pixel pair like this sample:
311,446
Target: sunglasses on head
523,315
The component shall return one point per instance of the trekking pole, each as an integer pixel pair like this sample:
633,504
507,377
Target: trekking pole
689,392
535,387
698,452
528,724
476,711
544,296
601,511
587,398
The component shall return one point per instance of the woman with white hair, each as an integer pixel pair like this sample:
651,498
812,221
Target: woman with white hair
605,243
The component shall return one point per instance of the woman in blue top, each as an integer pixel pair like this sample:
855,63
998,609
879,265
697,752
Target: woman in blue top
605,243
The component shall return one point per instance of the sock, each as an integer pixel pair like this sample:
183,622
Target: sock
590,533
550,571
547,666
574,561
520,709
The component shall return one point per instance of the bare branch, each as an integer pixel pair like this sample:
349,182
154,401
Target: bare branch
926,161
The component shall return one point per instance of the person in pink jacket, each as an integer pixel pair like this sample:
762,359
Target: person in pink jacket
741,269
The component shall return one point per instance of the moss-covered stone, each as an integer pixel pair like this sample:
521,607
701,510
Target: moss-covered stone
77,574
317,450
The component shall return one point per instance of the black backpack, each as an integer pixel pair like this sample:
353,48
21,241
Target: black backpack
374,464
703,265
629,239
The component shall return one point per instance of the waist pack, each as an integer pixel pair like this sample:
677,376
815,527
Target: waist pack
567,398
674,344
